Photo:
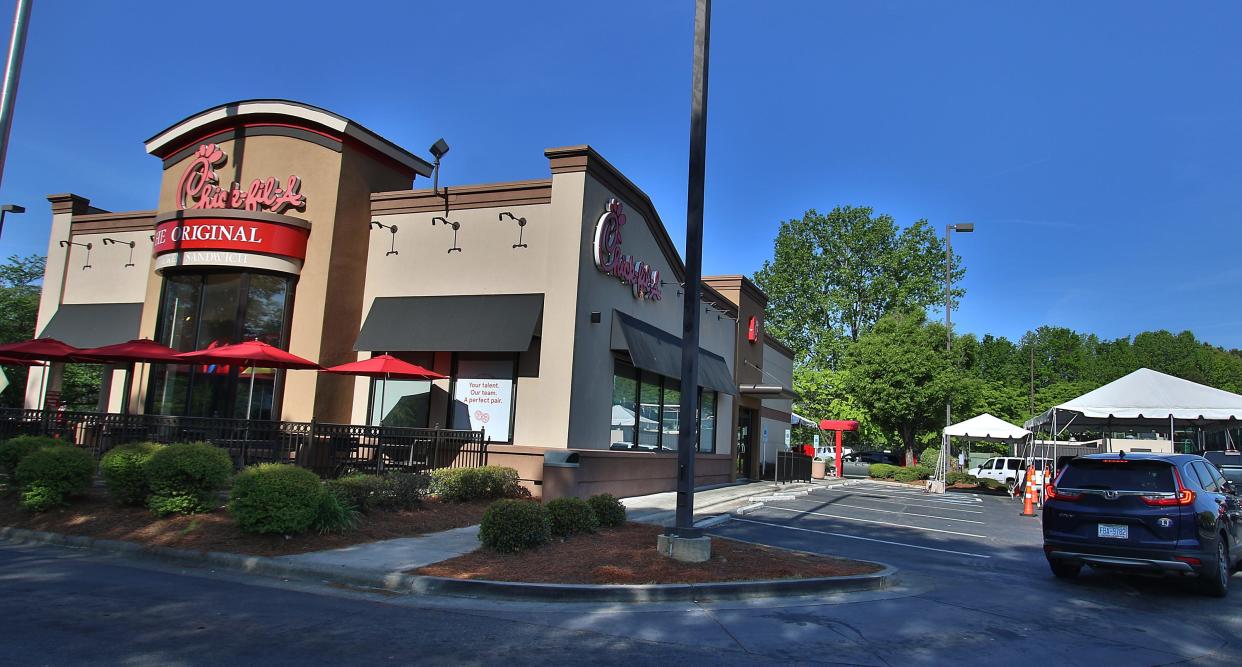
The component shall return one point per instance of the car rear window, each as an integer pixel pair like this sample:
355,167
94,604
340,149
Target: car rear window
1118,475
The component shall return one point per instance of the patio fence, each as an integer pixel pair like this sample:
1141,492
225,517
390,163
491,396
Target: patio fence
328,449
793,467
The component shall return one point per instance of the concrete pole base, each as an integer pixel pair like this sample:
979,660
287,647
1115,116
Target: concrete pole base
685,549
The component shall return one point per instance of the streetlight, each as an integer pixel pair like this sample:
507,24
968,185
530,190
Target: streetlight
942,466
9,208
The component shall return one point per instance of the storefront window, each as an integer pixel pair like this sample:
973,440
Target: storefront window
624,408
672,408
483,395
211,309
402,403
649,412
707,421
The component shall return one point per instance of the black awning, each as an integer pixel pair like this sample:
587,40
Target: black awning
467,323
94,324
653,349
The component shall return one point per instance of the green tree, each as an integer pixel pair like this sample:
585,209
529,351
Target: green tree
900,372
833,276
823,395
19,309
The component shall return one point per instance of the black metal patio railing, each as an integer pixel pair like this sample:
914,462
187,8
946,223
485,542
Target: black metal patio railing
328,449
793,467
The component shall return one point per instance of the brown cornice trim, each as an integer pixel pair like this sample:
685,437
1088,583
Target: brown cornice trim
69,203
710,294
777,345
774,414
125,221
462,197
572,159
743,284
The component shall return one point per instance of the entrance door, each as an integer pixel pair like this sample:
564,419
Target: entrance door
745,441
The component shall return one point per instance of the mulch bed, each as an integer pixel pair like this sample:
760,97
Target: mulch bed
627,555
95,516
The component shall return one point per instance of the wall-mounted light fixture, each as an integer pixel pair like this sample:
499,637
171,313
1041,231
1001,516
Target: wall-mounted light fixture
392,249
9,208
666,283
455,225
88,246
521,226
131,244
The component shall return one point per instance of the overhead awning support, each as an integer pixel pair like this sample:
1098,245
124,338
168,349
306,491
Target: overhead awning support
769,391
88,325
466,323
655,350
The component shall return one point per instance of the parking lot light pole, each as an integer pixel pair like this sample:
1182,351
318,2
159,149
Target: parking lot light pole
942,465
9,208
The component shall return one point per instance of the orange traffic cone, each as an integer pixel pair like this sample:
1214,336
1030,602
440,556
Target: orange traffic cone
1028,503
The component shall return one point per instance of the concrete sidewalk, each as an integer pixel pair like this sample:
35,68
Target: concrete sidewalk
394,556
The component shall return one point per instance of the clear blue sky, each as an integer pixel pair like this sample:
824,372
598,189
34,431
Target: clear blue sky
1095,145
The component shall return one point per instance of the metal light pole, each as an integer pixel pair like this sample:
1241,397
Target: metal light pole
12,72
942,466
686,421
9,208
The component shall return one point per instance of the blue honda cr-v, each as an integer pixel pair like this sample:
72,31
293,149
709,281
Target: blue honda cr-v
1170,514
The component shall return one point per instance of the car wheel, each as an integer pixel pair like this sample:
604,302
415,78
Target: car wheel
1010,483
1065,569
1216,583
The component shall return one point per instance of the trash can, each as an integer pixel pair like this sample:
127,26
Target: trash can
560,474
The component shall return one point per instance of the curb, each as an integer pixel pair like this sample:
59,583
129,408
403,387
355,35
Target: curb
473,588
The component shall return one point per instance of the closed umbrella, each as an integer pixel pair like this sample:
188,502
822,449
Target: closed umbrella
250,354
386,367
130,352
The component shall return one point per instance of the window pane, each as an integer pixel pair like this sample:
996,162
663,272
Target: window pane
672,406
483,396
707,422
649,412
264,320
401,403
624,433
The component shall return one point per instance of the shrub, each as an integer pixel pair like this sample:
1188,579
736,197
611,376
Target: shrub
276,498
49,475
464,484
509,526
394,491
123,472
334,515
13,450
186,477
906,475
922,471
961,478
608,510
991,484
882,470
571,516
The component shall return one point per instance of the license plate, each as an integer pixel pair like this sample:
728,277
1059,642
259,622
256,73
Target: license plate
1115,531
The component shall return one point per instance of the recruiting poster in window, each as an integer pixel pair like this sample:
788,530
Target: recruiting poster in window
483,397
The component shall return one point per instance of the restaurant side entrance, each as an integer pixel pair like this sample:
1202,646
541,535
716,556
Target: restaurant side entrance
745,442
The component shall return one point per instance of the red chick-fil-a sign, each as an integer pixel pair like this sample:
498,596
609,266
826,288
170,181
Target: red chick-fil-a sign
199,187
253,236
643,279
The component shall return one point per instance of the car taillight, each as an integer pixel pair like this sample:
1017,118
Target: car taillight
1184,495
1189,560
1054,493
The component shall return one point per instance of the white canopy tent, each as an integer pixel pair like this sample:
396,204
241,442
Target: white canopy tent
988,428
1146,396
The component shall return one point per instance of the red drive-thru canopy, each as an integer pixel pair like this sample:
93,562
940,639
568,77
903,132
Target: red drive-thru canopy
839,426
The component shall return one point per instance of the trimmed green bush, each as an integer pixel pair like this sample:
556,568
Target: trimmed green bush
394,491
464,484
49,475
13,450
510,526
334,515
571,516
608,510
991,484
276,498
185,478
929,457
123,472
961,478
882,470
906,475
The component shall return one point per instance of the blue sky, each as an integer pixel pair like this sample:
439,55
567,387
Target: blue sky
1094,145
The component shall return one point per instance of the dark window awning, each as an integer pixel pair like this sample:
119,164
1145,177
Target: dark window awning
466,323
770,391
655,350
94,324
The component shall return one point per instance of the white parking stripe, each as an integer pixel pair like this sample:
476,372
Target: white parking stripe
915,503
859,537
882,491
882,523
872,509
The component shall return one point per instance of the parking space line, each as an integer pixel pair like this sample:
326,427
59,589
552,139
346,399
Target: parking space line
859,537
941,507
972,502
871,509
882,523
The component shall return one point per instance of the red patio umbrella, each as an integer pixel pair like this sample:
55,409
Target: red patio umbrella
10,361
250,354
39,349
129,353
387,367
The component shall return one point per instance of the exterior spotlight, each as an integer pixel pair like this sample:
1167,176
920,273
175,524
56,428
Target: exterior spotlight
964,227
438,149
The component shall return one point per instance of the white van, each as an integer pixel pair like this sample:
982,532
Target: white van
1008,470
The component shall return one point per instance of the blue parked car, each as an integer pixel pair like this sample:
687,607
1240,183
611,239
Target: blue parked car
1159,514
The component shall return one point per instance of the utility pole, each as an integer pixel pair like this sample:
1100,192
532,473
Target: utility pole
12,73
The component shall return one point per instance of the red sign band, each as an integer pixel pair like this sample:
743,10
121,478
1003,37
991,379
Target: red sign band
239,235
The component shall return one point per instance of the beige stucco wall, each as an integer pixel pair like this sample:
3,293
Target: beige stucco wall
49,300
108,280
593,359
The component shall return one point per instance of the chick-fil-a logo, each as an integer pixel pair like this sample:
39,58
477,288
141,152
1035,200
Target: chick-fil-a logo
199,187
643,279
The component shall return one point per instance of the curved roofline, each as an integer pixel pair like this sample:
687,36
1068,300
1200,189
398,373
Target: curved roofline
299,110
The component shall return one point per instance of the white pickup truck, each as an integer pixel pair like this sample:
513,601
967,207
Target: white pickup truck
1009,470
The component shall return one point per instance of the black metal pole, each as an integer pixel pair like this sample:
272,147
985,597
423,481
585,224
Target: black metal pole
12,73
686,418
